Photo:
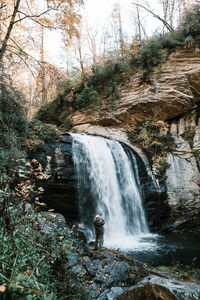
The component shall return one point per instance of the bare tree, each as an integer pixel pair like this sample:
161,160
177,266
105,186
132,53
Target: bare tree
118,35
165,23
168,11
67,21
9,29
92,36
139,24
42,70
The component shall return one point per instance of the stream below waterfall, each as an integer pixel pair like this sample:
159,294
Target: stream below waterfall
167,250
109,183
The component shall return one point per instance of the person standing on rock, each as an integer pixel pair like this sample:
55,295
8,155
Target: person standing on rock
99,231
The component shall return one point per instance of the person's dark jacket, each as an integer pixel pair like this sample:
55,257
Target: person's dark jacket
98,224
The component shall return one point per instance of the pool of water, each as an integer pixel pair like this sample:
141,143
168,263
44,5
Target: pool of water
157,249
167,250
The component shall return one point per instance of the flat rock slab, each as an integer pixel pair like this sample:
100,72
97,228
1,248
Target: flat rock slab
155,287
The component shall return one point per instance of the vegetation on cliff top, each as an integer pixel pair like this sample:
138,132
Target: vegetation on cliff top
104,81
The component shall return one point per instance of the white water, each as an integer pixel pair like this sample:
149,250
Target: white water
107,183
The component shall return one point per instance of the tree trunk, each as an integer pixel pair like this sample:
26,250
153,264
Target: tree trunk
10,28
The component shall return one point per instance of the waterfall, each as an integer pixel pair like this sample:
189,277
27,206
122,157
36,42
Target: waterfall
108,183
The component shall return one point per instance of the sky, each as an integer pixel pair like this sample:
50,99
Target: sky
97,13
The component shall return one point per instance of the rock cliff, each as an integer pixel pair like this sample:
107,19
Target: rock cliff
173,96
174,90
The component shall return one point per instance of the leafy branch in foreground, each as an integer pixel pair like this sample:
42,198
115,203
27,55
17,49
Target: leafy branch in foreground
30,245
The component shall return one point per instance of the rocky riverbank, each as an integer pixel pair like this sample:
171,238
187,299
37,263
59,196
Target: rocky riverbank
109,275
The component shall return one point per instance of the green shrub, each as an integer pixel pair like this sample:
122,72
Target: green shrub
113,72
104,75
150,54
13,127
86,97
188,271
27,254
65,121
190,24
49,113
172,40
145,78
38,134
41,131
133,61
13,122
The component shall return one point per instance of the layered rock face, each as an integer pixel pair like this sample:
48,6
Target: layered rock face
61,188
174,90
183,176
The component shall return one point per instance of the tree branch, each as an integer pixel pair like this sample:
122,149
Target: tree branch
31,17
2,6
25,53
24,61
166,24
10,27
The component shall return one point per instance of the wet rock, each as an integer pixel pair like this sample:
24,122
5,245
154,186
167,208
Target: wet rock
93,266
111,294
95,286
82,233
155,287
50,221
61,188
84,249
79,271
103,295
73,258
114,291
113,274
137,272
108,256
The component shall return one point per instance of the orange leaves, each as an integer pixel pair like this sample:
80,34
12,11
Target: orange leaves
27,272
26,189
2,288
35,291
66,16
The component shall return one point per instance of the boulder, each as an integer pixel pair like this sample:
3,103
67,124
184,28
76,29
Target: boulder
93,266
117,272
111,294
155,287
73,258
51,221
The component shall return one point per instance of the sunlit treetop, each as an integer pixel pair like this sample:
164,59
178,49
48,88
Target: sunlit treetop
23,15
66,16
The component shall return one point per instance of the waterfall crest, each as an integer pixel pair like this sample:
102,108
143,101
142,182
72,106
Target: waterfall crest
108,183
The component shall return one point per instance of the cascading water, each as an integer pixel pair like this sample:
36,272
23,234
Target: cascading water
108,183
